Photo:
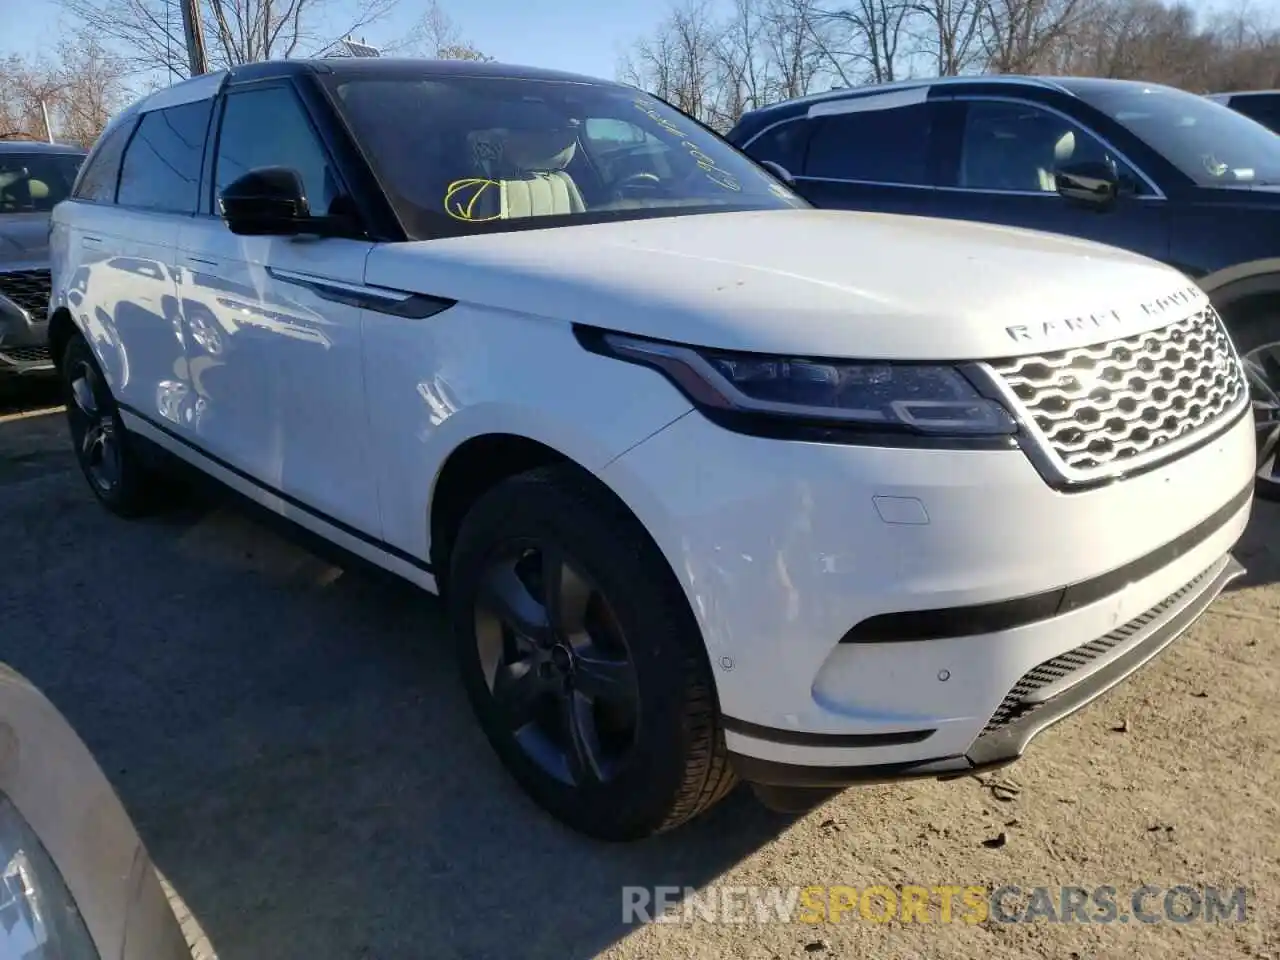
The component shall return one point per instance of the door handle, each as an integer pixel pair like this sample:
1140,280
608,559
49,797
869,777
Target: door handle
202,261
88,241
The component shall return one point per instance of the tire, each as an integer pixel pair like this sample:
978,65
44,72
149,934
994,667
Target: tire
1256,335
630,670
106,452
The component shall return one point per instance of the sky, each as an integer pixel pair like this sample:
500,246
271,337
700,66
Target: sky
582,36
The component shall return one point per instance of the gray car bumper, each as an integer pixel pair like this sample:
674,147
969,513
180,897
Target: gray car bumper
24,326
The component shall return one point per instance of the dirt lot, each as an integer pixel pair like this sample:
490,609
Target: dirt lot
296,753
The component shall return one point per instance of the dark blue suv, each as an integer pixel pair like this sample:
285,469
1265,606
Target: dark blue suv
1153,169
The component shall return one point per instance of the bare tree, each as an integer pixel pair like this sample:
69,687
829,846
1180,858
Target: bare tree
1019,33
793,45
150,36
27,88
864,41
682,62
950,33
79,90
93,89
436,35
767,50
747,79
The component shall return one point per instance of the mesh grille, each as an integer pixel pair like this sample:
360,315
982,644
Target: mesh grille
1014,707
1099,406
26,354
29,289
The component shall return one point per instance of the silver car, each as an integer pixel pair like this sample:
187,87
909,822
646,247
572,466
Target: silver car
33,178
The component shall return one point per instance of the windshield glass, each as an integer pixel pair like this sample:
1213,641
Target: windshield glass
1212,144
462,155
31,182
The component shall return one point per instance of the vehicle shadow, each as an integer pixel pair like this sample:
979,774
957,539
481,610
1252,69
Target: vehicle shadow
1259,548
302,764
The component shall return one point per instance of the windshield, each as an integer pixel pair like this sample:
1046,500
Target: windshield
463,155
1212,144
34,182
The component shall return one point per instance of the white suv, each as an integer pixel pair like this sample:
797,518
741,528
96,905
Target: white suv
715,485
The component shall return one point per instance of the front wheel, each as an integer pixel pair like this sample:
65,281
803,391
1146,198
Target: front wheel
1258,341
582,658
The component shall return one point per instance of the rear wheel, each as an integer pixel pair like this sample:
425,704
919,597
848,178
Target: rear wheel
582,659
104,448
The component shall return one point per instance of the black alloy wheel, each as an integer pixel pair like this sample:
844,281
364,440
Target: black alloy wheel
555,660
1262,368
582,657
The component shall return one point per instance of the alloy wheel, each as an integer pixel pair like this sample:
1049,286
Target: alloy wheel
94,429
557,664
1262,367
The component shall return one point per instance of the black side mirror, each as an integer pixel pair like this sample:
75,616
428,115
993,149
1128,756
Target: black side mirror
779,171
266,201
1092,182
272,201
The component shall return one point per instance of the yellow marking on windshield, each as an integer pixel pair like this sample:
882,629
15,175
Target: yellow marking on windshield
721,178
454,207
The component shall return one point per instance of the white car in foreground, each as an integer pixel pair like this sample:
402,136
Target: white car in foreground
715,485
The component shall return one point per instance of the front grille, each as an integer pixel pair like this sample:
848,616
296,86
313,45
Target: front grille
1014,706
29,289
1100,406
20,355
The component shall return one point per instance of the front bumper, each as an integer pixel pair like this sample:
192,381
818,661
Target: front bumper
1006,736
24,324
783,549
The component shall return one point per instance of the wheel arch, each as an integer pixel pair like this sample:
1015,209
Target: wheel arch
62,327
1234,287
477,465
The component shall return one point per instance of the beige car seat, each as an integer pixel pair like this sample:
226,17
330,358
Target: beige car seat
19,191
1063,150
525,170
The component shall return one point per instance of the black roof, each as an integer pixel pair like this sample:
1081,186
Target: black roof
38,146
1247,93
754,121
403,67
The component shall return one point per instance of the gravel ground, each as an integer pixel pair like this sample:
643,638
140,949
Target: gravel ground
297,755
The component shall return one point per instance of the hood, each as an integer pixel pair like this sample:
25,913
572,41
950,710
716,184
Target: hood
24,238
812,282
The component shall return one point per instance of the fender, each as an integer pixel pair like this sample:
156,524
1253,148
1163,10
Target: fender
1242,281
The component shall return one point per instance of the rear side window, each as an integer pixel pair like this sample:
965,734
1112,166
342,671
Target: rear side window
879,146
101,172
784,144
267,127
161,169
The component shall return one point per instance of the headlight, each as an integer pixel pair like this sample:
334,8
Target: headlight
38,916
935,400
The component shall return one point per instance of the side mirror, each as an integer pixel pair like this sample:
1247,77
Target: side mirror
1092,182
271,201
779,171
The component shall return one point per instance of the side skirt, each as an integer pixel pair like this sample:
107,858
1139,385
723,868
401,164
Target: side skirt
322,535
